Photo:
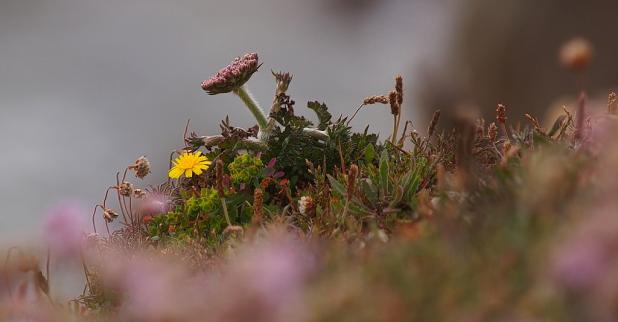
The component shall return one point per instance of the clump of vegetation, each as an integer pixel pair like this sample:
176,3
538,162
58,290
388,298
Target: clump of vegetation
310,221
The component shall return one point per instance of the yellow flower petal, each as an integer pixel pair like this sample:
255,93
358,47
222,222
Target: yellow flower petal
175,173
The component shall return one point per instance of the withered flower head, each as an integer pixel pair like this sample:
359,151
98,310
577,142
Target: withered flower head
576,54
393,98
109,215
283,80
139,193
492,132
125,189
306,206
375,99
141,167
399,89
233,76
501,114
352,175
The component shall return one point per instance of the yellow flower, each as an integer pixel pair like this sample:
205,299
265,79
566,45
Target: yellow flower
188,164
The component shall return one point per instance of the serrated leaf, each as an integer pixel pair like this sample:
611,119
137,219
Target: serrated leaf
324,117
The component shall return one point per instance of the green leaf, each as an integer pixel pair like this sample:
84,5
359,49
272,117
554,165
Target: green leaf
369,153
384,172
324,117
369,191
338,188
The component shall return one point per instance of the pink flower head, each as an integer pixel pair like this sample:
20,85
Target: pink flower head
233,76
63,228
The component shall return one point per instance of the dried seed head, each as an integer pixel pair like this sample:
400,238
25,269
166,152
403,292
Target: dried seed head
219,178
375,99
139,193
576,54
283,81
492,132
392,99
233,76
109,215
352,175
434,121
306,206
125,189
141,167
258,207
612,103
399,89
501,114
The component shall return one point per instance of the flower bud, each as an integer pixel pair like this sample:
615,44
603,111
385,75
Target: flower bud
233,76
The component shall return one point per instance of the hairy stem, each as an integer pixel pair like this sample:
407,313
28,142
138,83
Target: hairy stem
253,106
315,133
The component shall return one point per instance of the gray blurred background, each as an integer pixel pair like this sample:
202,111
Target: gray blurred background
87,86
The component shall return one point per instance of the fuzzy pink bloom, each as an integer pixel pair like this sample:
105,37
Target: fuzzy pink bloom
233,76
64,227
581,265
154,290
154,204
264,282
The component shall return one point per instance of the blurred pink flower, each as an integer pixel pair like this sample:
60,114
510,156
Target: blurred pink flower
581,265
263,282
63,228
155,203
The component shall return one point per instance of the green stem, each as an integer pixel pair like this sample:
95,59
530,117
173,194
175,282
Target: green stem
227,217
253,106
